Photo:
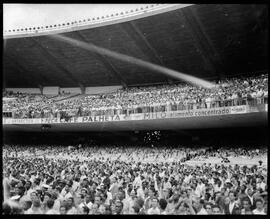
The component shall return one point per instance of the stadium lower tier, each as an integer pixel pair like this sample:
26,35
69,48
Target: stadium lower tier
91,179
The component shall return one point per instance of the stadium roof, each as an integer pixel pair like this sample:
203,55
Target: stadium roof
207,41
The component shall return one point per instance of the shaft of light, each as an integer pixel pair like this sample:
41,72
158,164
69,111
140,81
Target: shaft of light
136,61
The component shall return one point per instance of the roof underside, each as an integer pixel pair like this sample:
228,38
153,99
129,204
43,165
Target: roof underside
207,41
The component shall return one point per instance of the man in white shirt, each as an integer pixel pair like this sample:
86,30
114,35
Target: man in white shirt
137,182
129,203
65,193
200,189
86,202
114,187
154,209
260,184
208,101
199,206
140,192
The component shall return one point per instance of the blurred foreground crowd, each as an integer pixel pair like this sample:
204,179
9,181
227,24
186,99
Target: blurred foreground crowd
133,180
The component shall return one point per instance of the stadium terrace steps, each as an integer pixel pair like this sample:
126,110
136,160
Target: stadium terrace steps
69,97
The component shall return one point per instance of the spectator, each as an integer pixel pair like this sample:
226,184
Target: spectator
163,205
259,207
199,206
154,209
232,207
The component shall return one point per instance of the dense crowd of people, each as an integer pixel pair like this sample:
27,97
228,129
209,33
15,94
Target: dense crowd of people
230,92
50,179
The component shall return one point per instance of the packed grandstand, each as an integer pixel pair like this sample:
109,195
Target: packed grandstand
230,92
61,153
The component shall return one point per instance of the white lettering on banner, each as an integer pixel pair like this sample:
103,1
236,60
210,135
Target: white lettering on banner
138,116
238,109
186,113
104,118
50,120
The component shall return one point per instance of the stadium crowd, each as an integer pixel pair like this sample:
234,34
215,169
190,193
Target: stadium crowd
230,92
133,180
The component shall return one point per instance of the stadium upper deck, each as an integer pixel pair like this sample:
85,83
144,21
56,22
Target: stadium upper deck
207,41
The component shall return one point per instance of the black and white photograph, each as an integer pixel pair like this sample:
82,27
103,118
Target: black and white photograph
135,109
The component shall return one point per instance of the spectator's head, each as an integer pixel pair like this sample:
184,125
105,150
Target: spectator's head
33,195
107,210
121,195
68,187
198,204
246,204
47,196
28,185
152,192
132,194
259,203
6,209
232,196
95,209
36,203
162,204
118,207
154,202
113,208
63,209
250,191
19,190
97,200
216,209
50,203
70,202
208,208
85,210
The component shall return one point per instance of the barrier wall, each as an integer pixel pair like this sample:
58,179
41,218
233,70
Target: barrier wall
102,90
51,90
140,116
25,90
72,90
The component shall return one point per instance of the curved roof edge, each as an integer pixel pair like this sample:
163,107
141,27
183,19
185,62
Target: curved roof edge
156,9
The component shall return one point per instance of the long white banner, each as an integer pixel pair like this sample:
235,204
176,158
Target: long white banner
131,117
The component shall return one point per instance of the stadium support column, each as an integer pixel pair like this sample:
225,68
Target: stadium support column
41,88
82,89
